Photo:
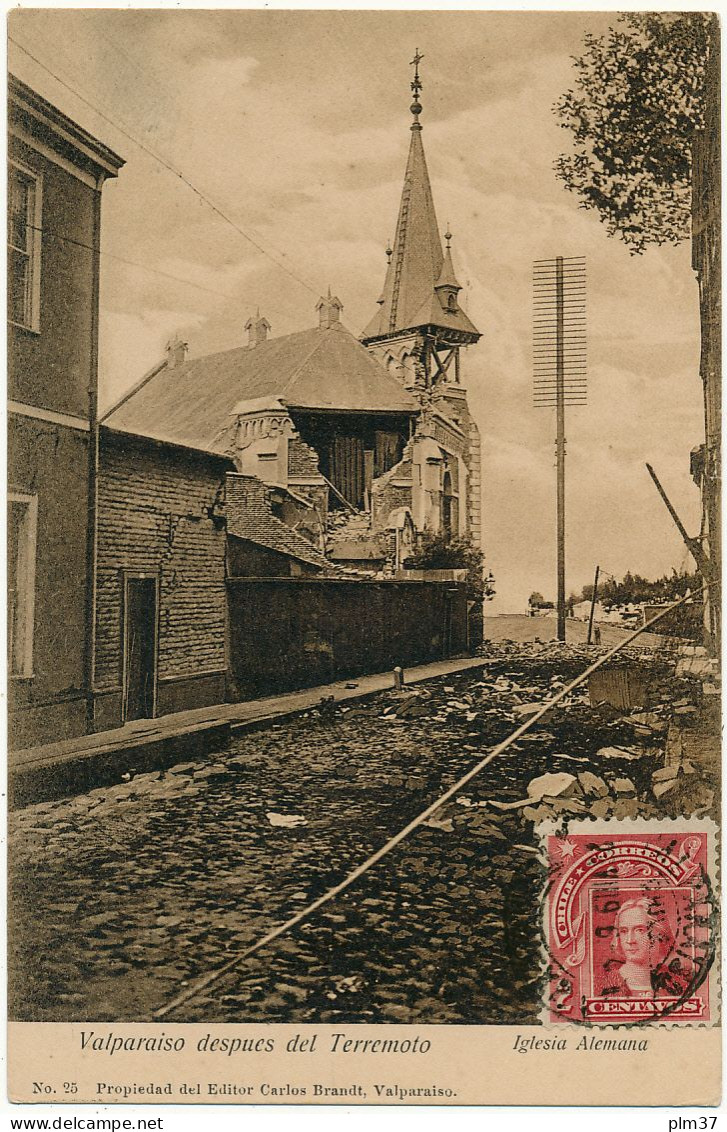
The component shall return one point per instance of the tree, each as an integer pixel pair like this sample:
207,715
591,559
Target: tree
637,100
437,552
536,599
634,589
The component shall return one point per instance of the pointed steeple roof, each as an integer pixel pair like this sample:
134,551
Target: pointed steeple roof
417,266
447,278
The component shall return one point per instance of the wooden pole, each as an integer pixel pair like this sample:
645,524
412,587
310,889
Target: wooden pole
693,545
560,442
593,605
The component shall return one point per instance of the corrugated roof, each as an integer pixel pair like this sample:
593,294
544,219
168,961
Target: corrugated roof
194,402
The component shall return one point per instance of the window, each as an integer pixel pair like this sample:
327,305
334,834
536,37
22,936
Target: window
24,222
22,524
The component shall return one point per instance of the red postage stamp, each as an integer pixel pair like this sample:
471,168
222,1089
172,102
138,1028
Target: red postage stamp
630,922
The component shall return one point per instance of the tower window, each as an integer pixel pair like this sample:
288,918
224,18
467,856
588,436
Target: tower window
24,243
452,301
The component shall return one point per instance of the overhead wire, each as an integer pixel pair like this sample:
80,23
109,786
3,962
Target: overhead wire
129,262
166,165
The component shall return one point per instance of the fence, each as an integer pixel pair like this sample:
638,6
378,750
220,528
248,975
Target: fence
288,633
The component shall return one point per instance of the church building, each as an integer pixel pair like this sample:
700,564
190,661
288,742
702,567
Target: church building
363,445
418,333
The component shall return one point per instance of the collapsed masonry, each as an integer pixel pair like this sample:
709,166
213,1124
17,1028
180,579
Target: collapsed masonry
351,460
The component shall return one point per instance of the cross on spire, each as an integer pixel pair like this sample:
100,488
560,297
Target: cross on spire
416,86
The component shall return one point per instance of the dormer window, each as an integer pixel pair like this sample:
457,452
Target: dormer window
452,301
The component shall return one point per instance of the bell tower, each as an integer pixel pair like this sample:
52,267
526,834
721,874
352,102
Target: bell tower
420,329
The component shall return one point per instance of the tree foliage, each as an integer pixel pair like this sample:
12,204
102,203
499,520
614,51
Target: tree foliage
437,552
637,100
633,589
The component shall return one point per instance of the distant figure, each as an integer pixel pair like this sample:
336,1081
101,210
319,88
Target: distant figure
597,635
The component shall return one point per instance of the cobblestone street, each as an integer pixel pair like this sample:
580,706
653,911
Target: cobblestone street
122,896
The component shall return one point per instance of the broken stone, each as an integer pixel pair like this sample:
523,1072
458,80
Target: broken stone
560,785
592,784
536,813
626,753
624,786
565,805
601,808
285,821
444,824
525,711
665,773
662,788
625,808
647,719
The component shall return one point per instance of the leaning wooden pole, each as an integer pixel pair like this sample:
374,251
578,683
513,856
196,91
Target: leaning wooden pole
693,545
594,597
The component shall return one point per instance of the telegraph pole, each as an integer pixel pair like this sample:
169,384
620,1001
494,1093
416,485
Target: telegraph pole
560,442
559,363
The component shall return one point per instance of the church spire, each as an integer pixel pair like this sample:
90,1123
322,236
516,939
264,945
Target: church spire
410,298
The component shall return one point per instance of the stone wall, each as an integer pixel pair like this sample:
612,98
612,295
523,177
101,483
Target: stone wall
313,631
392,490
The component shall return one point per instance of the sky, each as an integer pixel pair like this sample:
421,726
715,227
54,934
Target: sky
295,124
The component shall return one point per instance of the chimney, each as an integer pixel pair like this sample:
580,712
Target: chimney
329,311
257,331
176,352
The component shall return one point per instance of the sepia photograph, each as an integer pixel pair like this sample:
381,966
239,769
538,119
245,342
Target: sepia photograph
363,553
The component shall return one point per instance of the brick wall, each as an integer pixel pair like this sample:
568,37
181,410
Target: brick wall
302,459
152,517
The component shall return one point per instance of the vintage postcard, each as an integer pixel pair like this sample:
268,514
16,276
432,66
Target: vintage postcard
364,557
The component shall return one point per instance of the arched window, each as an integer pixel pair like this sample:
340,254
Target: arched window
450,516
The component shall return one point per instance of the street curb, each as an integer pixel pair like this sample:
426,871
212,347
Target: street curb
54,777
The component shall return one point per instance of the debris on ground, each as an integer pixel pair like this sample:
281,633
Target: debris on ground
121,894
285,821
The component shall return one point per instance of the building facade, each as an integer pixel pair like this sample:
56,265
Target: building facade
161,620
56,172
706,464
